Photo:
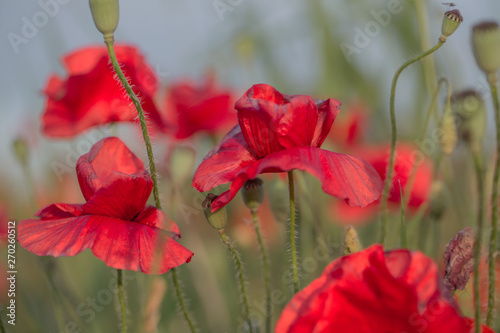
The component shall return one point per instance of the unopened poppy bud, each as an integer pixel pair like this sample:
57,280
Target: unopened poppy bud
350,241
218,219
105,14
438,201
486,45
449,135
451,21
21,150
253,193
459,259
470,113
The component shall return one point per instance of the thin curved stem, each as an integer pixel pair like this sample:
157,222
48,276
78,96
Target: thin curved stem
492,79
478,168
182,302
293,246
122,300
266,264
388,179
149,150
241,276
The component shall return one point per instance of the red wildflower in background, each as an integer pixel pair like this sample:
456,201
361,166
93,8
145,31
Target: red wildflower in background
115,222
350,128
375,291
407,156
91,96
196,107
278,133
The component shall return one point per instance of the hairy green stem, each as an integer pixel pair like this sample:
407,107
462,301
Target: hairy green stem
478,168
293,247
149,150
388,179
492,80
182,302
266,264
121,297
241,276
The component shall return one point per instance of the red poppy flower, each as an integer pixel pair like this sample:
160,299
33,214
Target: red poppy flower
350,128
279,133
375,291
195,108
91,96
115,222
407,156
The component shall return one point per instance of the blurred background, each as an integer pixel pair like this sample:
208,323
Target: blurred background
347,50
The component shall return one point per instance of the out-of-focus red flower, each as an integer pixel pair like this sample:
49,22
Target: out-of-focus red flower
350,127
115,222
375,291
278,133
470,324
407,156
91,96
195,107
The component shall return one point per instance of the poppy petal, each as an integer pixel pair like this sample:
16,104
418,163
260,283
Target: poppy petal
342,176
297,126
327,112
223,163
120,244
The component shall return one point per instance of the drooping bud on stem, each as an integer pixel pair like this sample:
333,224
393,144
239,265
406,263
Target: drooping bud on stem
253,193
451,21
105,14
459,259
470,113
438,200
21,150
218,219
350,241
448,130
486,45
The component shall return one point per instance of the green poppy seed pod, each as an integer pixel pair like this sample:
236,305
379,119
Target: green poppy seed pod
105,14
470,114
21,150
486,45
438,200
449,135
218,219
350,241
451,22
253,193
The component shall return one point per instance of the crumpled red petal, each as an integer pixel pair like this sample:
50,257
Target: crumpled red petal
341,175
120,244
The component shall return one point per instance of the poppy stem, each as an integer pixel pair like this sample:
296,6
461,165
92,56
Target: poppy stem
478,167
293,250
121,297
241,276
388,179
492,80
266,264
142,118
182,303
149,150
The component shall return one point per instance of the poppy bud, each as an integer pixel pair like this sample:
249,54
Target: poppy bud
486,45
470,113
105,14
459,259
448,130
218,219
438,200
253,193
21,150
350,241
451,21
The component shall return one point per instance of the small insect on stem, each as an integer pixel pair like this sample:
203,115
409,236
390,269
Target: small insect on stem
449,4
